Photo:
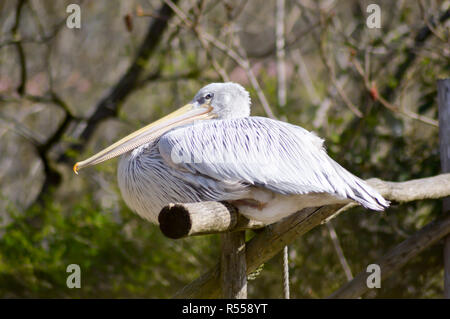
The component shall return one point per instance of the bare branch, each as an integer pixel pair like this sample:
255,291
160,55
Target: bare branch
417,189
371,88
339,251
330,69
419,40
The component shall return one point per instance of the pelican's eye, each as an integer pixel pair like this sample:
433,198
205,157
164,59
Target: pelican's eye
209,96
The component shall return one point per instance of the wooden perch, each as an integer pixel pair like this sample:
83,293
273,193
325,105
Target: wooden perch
181,220
273,238
233,266
261,248
416,189
397,257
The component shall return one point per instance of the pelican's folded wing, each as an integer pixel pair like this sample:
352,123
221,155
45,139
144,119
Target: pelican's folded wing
284,158
255,150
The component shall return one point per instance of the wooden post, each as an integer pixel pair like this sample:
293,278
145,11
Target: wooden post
233,266
443,87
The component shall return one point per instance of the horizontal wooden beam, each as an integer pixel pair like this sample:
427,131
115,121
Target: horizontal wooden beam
191,219
416,189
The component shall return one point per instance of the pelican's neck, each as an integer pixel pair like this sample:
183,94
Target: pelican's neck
233,112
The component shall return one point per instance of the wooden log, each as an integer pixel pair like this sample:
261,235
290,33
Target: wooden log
233,266
416,189
443,87
397,257
191,219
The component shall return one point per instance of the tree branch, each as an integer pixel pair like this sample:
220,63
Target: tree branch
339,251
419,40
417,189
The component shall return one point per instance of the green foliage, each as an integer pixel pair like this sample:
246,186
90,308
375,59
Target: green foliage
129,258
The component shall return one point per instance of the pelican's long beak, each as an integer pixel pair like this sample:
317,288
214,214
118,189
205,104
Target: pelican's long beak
186,114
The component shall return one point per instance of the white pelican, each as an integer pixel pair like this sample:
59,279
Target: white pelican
213,150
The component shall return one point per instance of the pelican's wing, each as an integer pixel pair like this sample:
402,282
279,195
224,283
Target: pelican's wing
284,158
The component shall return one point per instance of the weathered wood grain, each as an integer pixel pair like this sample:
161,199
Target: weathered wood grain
233,266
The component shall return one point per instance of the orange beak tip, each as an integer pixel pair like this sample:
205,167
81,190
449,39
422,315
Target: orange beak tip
75,168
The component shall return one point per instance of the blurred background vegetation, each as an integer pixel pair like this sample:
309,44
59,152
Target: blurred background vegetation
67,93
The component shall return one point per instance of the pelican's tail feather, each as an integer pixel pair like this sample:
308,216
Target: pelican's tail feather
359,191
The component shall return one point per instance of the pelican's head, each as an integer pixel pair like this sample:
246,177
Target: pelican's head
228,100
215,100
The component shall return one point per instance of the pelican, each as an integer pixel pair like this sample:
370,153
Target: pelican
213,150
